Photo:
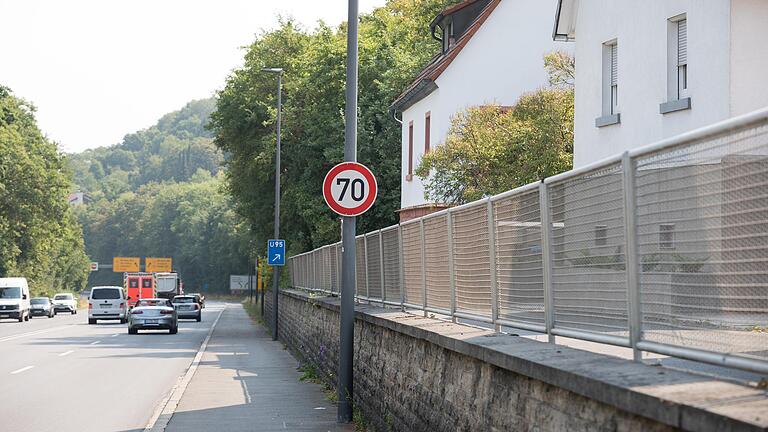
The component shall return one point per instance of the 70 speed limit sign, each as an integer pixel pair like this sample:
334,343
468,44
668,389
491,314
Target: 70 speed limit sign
350,189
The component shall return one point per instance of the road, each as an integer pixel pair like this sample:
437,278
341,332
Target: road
62,374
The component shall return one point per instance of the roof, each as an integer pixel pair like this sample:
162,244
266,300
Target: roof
565,20
424,83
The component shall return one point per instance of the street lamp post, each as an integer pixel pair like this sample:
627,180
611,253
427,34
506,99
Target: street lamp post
276,269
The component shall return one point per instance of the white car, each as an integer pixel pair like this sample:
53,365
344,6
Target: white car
107,302
14,299
65,302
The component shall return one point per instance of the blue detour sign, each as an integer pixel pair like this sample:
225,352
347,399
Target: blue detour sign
276,252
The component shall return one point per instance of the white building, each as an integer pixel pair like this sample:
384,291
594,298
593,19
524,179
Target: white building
648,70
492,53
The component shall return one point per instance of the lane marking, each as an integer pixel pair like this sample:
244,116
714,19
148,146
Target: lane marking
115,335
66,353
159,420
17,371
32,333
94,342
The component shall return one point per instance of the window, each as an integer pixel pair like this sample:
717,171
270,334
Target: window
667,236
427,127
601,235
610,114
409,177
677,66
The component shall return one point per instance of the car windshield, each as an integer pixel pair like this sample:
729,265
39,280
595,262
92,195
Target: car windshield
10,293
39,301
63,297
105,294
184,300
152,303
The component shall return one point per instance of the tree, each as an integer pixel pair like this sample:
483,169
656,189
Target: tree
491,149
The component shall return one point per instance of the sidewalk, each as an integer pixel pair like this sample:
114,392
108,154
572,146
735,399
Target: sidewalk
247,382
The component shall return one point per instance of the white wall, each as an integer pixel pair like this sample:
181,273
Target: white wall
749,55
641,30
503,60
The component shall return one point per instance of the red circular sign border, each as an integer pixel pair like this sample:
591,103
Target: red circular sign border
355,211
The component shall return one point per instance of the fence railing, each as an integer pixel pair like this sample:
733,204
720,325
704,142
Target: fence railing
661,249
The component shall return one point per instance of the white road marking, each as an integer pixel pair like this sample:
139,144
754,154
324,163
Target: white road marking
115,335
21,370
32,333
168,405
94,342
66,353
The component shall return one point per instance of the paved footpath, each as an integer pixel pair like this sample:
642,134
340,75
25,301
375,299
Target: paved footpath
247,382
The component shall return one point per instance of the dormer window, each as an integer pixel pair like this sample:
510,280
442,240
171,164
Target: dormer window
448,36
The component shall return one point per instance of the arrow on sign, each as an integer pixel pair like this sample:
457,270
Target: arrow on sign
276,258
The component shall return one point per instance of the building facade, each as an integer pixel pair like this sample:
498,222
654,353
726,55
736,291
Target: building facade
491,53
649,70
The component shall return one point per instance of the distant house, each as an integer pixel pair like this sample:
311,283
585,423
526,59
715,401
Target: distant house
648,70
492,52
79,198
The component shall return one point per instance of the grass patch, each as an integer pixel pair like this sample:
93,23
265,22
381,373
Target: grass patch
254,311
309,374
359,420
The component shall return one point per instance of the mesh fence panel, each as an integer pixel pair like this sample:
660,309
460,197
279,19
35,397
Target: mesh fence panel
702,214
334,266
390,239
373,260
412,270
519,268
471,260
589,271
436,262
360,281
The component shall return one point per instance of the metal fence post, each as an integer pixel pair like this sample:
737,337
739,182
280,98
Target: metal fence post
492,268
451,274
402,266
381,267
423,266
546,260
338,268
633,276
365,261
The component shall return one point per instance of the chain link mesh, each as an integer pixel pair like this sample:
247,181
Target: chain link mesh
390,239
412,269
373,260
519,267
471,260
360,281
702,222
436,262
589,282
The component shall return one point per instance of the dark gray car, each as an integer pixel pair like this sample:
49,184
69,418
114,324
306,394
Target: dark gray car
153,314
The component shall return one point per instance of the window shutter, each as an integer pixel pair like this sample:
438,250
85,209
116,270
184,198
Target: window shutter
682,42
614,65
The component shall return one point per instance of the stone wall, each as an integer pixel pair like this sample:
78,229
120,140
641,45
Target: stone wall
420,374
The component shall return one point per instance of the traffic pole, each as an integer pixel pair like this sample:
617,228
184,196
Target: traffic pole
347,333
276,269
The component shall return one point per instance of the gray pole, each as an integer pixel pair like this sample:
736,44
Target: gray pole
276,269
347,333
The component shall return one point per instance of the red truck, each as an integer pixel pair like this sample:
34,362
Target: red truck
139,286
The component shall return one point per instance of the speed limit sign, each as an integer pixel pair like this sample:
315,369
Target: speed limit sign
350,189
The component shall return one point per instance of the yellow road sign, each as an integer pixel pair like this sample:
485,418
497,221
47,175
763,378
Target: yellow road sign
155,265
126,264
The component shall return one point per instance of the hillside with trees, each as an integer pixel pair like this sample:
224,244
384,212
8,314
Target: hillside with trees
160,193
40,237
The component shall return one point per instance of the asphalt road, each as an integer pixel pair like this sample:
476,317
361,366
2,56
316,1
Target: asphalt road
61,374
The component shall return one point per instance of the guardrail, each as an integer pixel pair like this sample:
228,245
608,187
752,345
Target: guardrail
661,249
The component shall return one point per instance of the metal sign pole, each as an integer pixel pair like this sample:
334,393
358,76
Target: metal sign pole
276,269
347,333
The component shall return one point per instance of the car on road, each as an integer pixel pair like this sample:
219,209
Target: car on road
199,298
187,307
107,303
153,314
14,298
65,302
41,306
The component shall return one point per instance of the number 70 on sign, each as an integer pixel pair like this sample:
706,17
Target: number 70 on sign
350,189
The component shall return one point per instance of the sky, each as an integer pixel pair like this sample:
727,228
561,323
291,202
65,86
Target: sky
99,69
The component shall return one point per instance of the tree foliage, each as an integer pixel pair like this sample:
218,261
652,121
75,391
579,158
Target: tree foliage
394,45
40,238
491,149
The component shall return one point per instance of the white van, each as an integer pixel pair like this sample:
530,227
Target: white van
14,298
107,302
